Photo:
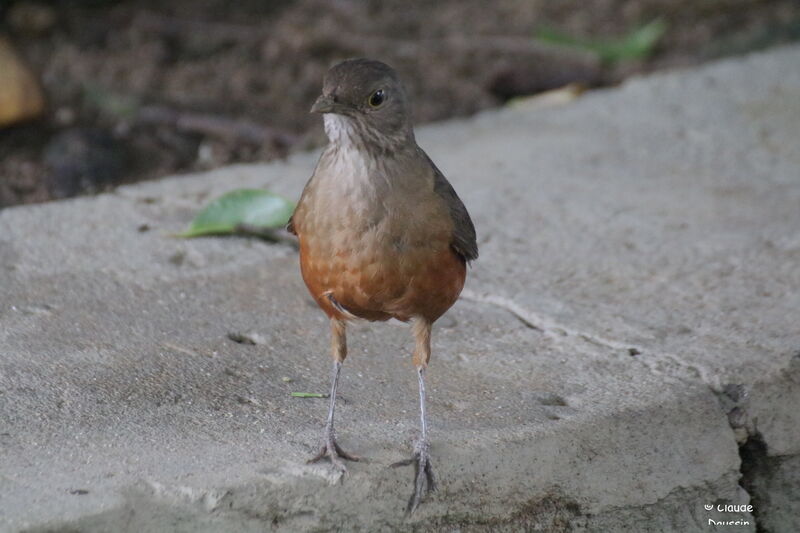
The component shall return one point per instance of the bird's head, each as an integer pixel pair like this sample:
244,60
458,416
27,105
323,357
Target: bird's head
363,101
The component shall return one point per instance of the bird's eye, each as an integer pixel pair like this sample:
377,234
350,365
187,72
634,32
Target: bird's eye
377,98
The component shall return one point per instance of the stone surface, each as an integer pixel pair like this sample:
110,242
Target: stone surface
632,319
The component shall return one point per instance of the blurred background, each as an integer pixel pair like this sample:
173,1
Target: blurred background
94,93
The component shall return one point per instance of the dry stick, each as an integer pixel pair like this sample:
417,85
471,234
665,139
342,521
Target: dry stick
243,130
509,44
309,395
270,235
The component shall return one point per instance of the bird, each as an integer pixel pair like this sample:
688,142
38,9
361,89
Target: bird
382,233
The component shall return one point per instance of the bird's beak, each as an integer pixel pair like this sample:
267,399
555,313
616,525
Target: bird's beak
325,104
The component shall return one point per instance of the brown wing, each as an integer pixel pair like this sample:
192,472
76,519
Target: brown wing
290,225
464,241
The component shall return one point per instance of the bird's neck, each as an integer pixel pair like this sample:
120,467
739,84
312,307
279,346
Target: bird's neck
350,134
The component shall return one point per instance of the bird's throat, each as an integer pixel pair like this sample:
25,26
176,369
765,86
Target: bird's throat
341,130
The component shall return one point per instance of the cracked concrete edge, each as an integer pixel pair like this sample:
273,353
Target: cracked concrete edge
767,473
773,484
769,466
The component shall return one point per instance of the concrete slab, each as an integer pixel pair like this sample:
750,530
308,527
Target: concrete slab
633,317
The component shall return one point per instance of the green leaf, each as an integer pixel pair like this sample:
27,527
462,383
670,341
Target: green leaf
637,44
251,208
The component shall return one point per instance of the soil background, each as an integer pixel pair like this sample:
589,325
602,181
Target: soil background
139,90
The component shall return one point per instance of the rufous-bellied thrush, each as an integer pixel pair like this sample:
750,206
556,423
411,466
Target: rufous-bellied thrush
382,232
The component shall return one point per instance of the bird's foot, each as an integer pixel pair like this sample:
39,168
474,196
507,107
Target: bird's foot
332,450
423,473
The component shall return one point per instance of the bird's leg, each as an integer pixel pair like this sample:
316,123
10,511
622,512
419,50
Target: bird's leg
330,448
423,471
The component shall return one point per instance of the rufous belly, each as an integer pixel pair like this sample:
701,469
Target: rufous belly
382,281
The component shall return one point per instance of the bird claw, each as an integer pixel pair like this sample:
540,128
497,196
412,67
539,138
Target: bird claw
423,474
335,453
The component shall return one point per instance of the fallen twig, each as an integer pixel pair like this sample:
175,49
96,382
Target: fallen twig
271,235
308,395
240,130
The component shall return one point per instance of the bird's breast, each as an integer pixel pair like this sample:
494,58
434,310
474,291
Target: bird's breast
371,239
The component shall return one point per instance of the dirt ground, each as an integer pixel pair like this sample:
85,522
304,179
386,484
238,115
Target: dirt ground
138,90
